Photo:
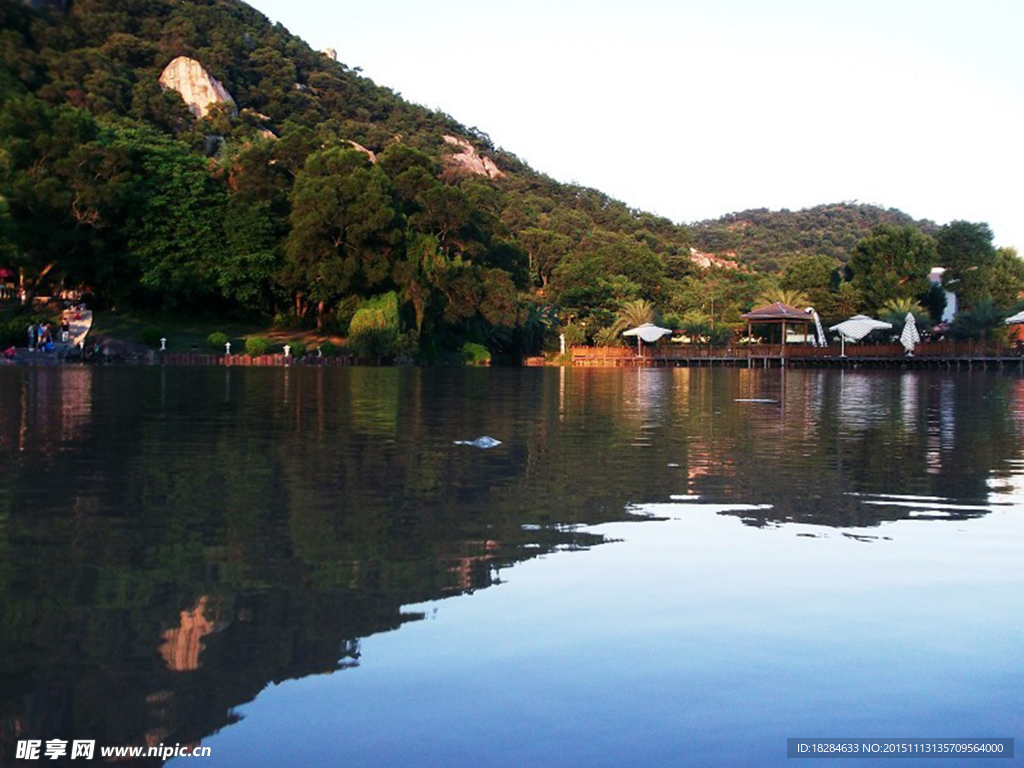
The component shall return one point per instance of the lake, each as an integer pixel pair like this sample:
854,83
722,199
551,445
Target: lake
654,566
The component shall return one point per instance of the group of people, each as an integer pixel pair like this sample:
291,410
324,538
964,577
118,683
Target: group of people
40,337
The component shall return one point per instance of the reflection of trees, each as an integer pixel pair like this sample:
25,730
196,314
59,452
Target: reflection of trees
199,533
173,540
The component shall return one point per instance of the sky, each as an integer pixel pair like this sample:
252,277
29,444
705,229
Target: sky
693,110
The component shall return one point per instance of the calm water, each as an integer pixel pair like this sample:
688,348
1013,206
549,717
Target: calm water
298,567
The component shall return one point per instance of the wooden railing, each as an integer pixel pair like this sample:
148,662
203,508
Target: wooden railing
943,349
601,353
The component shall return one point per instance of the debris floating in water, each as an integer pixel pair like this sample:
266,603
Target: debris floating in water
480,442
755,400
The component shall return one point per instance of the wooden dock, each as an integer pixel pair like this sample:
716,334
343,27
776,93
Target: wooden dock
944,355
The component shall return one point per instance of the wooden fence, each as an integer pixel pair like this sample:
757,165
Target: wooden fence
947,350
259,361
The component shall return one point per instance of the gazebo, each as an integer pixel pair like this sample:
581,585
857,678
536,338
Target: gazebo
778,315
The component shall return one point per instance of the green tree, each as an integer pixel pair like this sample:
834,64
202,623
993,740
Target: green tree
983,321
344,229
965,249
545,250
1007,278
817,277
895,311
635,313
849,301
892,262
67,186
248,268
176,236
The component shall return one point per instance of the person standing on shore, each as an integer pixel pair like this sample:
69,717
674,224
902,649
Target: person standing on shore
31,336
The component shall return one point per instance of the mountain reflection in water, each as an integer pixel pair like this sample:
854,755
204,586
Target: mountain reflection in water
174,540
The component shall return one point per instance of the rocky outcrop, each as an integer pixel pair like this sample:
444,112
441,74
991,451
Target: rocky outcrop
197,87
705,260
368,152
468,159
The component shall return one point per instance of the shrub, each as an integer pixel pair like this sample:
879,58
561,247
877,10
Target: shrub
151,336
329,349
380,312
256,346
285,320
217,340
298,348
984,321
375,342
574,335
608,337
345,311
475,354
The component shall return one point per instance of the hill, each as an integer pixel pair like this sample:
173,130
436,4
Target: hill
769,240
119,177
192,157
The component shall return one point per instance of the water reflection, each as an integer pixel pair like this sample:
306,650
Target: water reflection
172,540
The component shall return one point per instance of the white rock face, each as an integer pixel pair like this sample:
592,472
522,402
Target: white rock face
368,152
706,260
469,159
197,87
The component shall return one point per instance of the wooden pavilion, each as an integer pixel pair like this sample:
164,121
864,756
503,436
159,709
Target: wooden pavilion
778,316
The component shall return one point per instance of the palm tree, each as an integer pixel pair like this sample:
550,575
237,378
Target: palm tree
634,313
538,320
983,321
608,337
895,311
696,325
788,296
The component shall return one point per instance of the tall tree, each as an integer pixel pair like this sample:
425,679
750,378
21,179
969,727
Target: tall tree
1007,278
817,277
344,229
965,249
892,262
175,224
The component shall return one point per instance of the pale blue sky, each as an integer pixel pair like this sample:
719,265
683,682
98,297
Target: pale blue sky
696,109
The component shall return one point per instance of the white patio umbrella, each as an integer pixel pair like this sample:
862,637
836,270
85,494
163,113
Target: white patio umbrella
1015,319
856,328
648,332
910,336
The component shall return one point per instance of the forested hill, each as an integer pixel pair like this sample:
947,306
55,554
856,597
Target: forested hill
768,240
312,193
188,155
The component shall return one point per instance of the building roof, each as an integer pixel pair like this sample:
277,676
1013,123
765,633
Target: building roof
776,312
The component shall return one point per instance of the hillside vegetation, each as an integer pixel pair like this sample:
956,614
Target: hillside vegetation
316,198
768,240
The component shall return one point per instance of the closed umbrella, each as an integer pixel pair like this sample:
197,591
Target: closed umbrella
910,336
856,328
822,341
648,332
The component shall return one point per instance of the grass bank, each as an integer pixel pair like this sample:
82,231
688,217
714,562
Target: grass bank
185,334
